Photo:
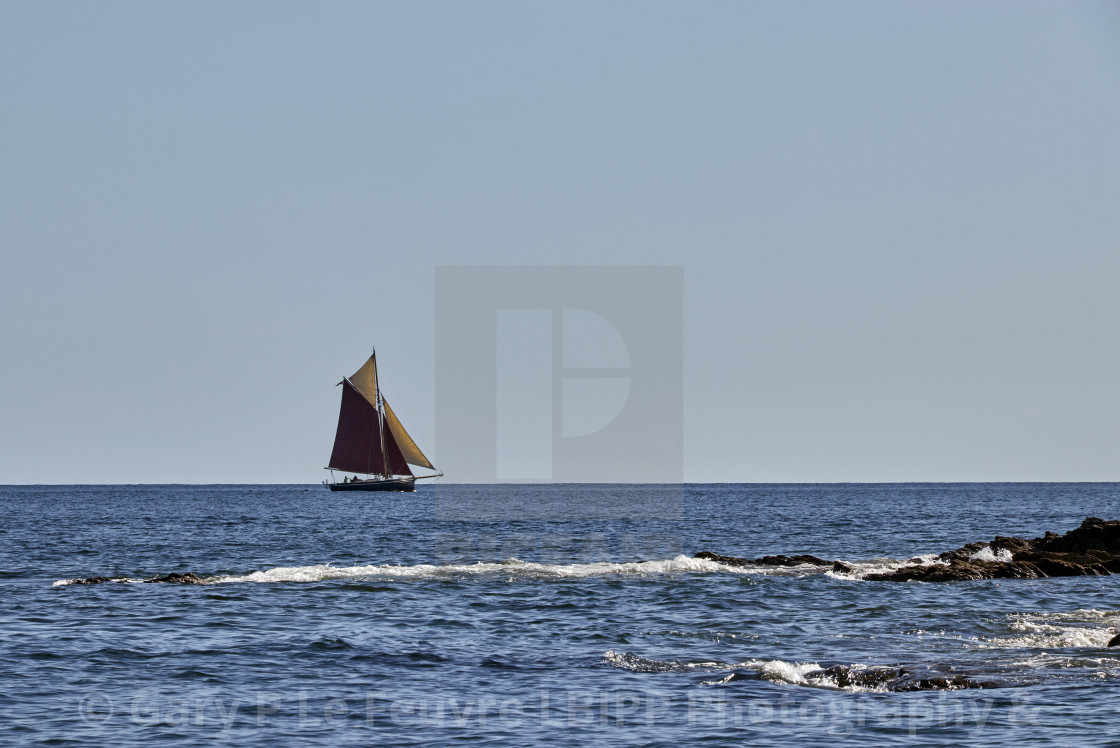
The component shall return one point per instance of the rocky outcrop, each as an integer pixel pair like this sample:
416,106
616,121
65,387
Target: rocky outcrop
764,561
955,571
1092,549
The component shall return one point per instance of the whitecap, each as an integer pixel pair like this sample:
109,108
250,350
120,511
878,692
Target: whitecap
637,664
858,570
1080,628
511,568
81,580
783,671
986,554
776,671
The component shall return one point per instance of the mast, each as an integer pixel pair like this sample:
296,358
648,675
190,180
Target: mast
380,414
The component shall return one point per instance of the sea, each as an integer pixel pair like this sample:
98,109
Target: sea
542,615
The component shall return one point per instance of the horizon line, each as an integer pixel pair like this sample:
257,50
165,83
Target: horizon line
607,483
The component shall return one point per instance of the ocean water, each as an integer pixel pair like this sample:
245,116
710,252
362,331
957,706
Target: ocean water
540,615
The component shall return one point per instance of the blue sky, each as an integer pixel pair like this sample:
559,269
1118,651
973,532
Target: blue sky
897,222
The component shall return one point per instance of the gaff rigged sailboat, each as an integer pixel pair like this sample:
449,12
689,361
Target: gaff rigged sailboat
370,440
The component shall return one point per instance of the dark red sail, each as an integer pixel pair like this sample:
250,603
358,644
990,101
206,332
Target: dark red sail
357,442
357,448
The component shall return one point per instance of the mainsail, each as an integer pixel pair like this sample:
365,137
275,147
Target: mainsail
369,439
358,446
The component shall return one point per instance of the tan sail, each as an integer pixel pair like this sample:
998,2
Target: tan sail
411,452
365,381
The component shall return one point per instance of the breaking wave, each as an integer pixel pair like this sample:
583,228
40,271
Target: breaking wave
775,671
1078,628
511,568
514,568
857,570
636,664
986,554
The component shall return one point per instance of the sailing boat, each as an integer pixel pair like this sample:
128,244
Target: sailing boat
370,440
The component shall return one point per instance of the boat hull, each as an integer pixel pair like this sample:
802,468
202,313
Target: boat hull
391,484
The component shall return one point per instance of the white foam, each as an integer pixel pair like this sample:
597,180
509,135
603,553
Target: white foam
986,554
636,664
1079,628
1073,637
512,568
1081,614
516,569
781,671
78,580
775,671
860,569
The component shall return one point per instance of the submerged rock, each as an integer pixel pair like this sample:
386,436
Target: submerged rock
174,578
765,560
1093,549
188,578
892,679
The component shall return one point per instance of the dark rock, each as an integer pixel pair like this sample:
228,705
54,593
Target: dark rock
188,578
1114,641
791,561
764,561
964,553
1093,549
956,571
892,679
843,676
842,567
1093,535
725,560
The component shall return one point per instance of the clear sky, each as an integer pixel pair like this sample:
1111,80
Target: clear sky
899,222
